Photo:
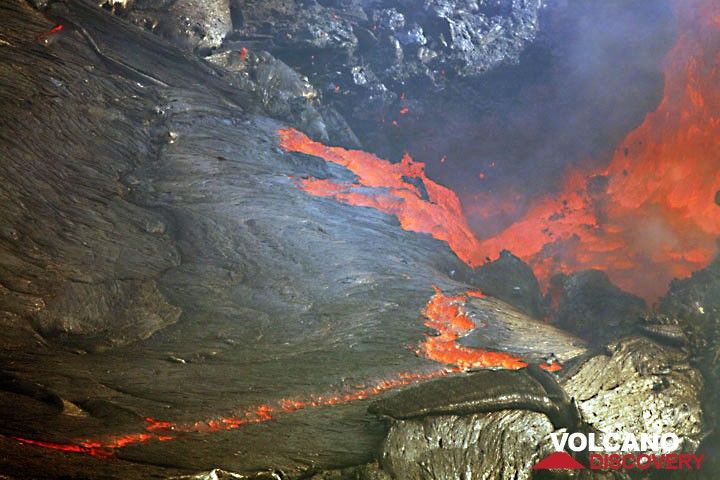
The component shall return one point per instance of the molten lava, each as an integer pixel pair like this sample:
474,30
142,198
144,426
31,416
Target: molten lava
648,217
161,430
393,188
445,315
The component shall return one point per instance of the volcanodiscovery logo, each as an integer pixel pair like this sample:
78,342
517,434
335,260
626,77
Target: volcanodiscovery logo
618,451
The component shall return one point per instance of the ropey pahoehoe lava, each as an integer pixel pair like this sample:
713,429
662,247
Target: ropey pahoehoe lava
202,265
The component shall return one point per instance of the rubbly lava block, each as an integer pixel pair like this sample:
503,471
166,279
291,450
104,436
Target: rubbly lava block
693,305
196,25
595,309
512,280
282,92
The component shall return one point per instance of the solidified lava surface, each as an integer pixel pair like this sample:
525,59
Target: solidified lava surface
186,282
165,281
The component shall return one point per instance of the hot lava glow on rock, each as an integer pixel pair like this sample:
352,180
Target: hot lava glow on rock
392,188
650,216
646,218
445,315
161,430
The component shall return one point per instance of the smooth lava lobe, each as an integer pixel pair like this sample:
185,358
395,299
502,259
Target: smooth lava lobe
384,186
445,315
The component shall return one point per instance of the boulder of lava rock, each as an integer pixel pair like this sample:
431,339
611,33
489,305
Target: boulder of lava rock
641,386
511,280
694,305
280,90
691,310
197,25
595,309
367,55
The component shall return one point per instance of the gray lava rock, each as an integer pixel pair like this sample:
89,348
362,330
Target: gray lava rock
138,182
500,327
102,315
641,386
282,92
484,391
197,25
490,446
592,307
369,55
513,281
694,305
370,471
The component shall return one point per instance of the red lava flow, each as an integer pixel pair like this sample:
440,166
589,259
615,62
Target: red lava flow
648,217
443,313
383,185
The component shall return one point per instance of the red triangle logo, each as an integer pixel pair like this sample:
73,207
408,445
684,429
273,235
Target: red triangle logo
559,461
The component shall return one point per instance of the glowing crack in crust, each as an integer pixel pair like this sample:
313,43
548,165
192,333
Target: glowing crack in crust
443,313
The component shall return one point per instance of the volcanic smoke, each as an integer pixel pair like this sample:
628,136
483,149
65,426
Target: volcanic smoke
648,217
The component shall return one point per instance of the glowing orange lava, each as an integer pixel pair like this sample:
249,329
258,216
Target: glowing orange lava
648,217
654,217
389,187
162,430
446,316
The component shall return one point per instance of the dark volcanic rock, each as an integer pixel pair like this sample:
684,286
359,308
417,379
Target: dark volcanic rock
595,309
362,56
282,92
529,389
149,214
463,37
363,472
148,208
512,280
502,328
67,266
693,306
